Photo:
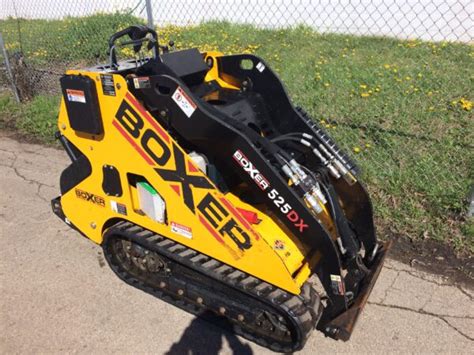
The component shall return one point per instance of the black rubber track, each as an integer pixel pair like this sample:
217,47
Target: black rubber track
302,311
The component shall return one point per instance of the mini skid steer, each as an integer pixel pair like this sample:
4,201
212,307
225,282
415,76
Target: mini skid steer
208,189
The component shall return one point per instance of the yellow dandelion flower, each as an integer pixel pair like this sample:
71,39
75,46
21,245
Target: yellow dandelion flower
368,145
364,94
466,104
408,78
327,85
386,66
356,150
363,86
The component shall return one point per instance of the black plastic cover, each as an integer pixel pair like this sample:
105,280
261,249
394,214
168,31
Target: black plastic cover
82,104
111,183
188,64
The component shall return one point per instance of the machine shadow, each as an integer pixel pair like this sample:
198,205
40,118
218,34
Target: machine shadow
204,335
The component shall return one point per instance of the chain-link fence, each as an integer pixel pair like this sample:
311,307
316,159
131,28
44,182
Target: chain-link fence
390,79
428,20
28,26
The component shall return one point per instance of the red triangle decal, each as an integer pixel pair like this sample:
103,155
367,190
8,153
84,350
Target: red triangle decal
176,189
192,168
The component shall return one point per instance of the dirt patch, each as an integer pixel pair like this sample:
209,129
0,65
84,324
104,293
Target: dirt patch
10,131
434,257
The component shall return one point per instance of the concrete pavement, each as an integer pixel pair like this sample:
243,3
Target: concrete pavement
58,295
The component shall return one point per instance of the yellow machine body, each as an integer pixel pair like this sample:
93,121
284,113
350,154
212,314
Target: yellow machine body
275,257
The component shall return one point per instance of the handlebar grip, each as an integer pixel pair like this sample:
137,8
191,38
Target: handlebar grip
134,32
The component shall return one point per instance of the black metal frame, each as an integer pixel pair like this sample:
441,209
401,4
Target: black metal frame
212,132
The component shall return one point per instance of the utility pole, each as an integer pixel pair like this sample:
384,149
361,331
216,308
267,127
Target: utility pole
149,14
8,68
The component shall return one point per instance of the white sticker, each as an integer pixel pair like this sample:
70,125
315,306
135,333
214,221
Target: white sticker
337,285
142,82
184,102
136,83
260,67
184,231
118,207
76,96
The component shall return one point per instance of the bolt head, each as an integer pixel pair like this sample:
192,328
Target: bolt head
93,225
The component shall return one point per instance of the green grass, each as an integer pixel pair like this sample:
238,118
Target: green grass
10,112
77,40
401,107
36,118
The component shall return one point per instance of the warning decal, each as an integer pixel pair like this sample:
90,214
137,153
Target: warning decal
337,285
76,96
184,101
108,86
142,82
184,231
